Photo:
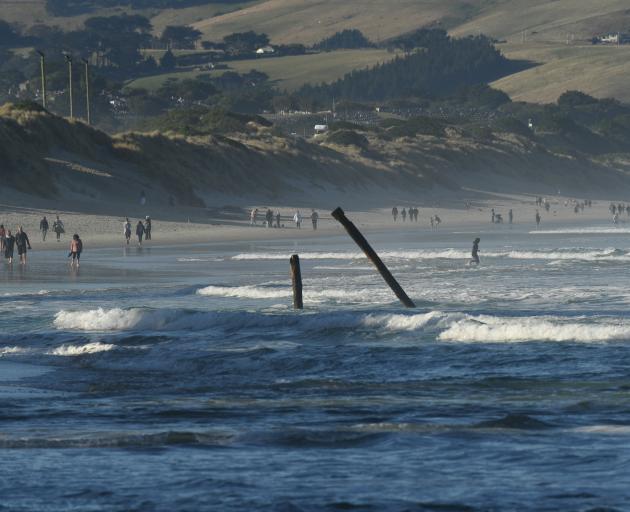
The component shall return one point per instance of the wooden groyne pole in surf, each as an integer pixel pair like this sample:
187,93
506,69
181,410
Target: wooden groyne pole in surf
296,278
360,240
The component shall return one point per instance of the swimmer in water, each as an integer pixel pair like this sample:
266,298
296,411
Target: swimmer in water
475,252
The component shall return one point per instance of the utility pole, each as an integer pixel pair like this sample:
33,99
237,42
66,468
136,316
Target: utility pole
69,61
87,90
42,65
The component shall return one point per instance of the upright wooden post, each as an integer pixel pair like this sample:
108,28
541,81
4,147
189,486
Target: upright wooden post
360,240
296,278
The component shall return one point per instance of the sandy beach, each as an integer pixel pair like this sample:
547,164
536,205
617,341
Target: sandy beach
230,223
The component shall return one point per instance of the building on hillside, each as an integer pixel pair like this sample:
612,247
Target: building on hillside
321,129
266,50
613,38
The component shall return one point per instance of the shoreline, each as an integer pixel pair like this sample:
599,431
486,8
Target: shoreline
104,231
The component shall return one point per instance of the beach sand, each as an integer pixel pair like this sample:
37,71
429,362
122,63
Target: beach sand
232,223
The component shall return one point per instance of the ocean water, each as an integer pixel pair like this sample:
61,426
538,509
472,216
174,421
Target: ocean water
179,379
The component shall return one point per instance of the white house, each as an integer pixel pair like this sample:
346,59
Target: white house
266,50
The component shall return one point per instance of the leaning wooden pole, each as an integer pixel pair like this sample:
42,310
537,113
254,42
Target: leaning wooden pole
360,240
296,278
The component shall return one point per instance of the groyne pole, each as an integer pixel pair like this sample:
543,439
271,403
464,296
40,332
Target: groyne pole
296,279
360,240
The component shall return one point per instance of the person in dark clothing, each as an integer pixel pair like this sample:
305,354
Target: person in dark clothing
475,252
269,218
511,216
314,219
139,231
537,218
22,242
43,227
9,244
147,228
395,213
277,218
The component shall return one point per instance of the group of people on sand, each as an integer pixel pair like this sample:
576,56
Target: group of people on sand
411,212
57,228
497,218
143,230
273,219
19,241
9,242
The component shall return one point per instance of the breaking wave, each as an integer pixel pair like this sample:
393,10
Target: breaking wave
570,253
500,329
441,326
80,350
314,296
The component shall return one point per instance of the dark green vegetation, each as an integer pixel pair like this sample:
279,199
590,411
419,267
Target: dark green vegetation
438,65
346,39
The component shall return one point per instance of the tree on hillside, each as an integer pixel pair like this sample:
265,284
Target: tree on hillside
9,35
168,61
245,42
575,99
113,26
180,36
346,39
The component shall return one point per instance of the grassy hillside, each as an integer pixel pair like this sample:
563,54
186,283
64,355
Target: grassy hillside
601,71
287,72
308,22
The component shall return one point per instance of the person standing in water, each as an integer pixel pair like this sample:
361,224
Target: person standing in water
140,231
9,245
537,219
314,219
395,213
475,252
76,248
127,229
403,214
43,227
147,228
22,242
58,228
511,216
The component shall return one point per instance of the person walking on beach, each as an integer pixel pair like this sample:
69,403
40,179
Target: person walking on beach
314,219
58,228
269,218
475,252
437,222
22,242
43,227
297,218
493,217
147,228
76,248
277,218
395,213
252,216
9,245
403,214
3,234
537,219
140,231
511,216
127,229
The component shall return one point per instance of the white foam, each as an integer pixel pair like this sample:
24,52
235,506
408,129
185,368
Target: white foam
571,253
80,350
12,350
403,322
583,231
313,296
506,329
26,294
248,292
100,319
